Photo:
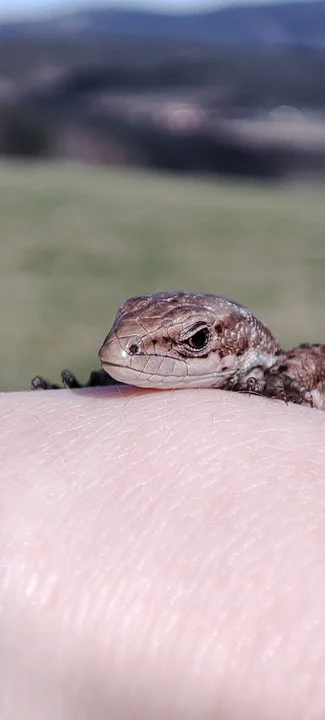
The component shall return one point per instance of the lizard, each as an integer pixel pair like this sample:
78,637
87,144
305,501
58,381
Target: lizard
181,339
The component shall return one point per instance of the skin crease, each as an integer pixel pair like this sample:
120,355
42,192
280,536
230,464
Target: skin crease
162,556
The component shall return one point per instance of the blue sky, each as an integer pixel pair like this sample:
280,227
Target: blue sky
10,8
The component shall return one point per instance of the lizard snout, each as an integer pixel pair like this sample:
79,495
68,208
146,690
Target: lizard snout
121,354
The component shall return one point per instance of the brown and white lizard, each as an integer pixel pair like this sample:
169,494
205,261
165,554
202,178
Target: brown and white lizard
180,339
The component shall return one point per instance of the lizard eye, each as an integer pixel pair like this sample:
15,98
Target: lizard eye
199,340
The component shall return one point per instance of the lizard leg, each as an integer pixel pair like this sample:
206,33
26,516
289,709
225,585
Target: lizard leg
97,378
253,384
300,375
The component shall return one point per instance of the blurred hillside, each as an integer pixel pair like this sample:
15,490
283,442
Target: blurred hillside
287,23
238,90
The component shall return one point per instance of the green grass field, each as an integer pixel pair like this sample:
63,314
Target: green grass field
76,241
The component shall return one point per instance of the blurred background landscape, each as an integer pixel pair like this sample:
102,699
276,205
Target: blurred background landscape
143,150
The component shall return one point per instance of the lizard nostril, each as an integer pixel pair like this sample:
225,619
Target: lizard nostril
133,349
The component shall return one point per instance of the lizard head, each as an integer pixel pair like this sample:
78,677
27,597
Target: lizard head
179,339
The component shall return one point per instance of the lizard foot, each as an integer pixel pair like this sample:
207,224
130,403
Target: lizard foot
40,383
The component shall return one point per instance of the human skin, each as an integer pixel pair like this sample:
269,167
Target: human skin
162,556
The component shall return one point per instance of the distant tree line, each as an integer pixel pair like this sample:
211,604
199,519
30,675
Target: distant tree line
252,77
47,115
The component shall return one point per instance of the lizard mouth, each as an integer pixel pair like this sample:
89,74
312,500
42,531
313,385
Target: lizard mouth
148,377
106,364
